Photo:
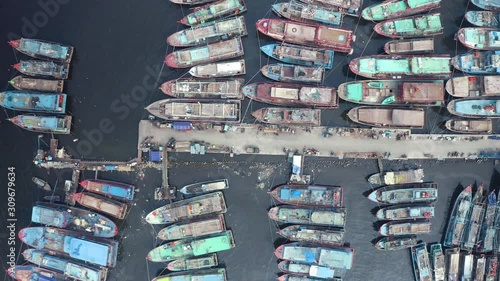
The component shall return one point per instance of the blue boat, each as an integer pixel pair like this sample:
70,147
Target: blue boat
117,190
33,101
478,62
293,73
71,244
299,11
483,18
422,267
43,49
488,107
491,5
34,273
300,55
72,218
72,269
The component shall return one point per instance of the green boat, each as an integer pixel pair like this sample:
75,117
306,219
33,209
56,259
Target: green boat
483,18
193,263
398,8
416,26
192,247
399,67
480,38
201,275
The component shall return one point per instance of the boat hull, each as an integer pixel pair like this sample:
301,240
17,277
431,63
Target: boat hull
203,111
34,273
405,212
478,62
302,269
292,94
213,11
288,116
473,86
43,49
193,263
213,203
388,117
487,5
392,9
298,11
202,275
479,38
313,234
191,2
312,35
333,257
32,84
193,229
75,219
475,107
102,204
394,92
394,243
309,195
43,68
458,218
405,228
470,126
483,18
294,54
401,67
293,73
204,187
116,190
390,28
34,101
222,69
204,88
324,217
67,243
43,124
405,193
409,46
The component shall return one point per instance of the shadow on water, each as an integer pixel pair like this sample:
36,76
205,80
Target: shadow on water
377,224
495,180
451,203
375,210
280,241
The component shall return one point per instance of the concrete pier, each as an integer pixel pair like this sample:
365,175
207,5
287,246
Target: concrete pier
339,142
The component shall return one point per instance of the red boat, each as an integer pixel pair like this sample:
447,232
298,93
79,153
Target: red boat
101,204
313,35
111,189
292,94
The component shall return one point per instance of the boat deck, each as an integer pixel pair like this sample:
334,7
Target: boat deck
408,195
297,73
203,206
331,257
216,29
411,46
25,83
409,228
219,50
108,206
51,50
219,69
302,53
394,117
422,92
482,39
196,229
202,110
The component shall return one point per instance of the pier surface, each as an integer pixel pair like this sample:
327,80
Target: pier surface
341,142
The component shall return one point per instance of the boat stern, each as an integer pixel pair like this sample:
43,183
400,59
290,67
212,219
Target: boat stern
262,26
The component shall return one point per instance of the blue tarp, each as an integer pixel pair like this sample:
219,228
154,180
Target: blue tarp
285,194
310,257
155,156
86,250
296,193
110,167
181,126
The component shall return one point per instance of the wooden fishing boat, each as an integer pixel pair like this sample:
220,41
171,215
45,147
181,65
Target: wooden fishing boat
218,51
333,217
487,5
210,32
416,26
399,212
405,193
397,177
204,88
313,234
483,18
410,46
459,218
341,258
474,126
191,2
480,269
293,277
204,187
403,66
102,204
473,86
292,94
34,273
398,8
213,11
41,184
388,117
300,11
485,107
478,62
42,68
193,263
438,262
33,84
453,263
475,220
199,275
312,35
480,38
45,50
468,267
421,263
288,116
350,7
220,69
405,228
303,269
393,243
393,92
301,55
293,73
309,195
213,111
112,189
489,230
193,229
43,124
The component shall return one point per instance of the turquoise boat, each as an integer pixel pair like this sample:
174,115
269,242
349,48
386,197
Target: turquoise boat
332,257
483,18
43,68
33,101
398,8
34,273
43,49
201,275
213,11
72,270
43,124
188,248
491,5
398,67
300,55
478,62
488,107
416,26
480,38
299,11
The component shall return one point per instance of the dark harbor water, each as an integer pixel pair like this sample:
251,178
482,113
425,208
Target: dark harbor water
115,73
